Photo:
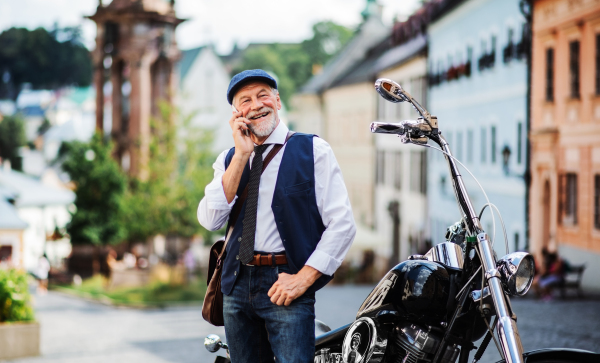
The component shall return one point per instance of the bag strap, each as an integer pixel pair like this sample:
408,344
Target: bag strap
237,208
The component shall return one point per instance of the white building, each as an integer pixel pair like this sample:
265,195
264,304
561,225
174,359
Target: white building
203,82
478,88
43,208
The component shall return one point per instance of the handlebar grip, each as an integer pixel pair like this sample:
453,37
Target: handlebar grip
388,128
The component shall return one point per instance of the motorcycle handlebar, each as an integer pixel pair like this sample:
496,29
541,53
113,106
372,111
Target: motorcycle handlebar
388,128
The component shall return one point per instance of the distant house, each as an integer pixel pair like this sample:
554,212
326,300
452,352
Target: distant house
42,208
203,82
12,228
32,105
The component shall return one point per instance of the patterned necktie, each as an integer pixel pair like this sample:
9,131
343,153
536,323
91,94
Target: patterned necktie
249,226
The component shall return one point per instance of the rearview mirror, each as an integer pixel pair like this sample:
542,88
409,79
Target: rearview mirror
390,90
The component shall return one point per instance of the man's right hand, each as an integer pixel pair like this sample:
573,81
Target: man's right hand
244,145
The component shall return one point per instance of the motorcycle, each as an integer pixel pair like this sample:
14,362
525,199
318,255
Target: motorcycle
433,307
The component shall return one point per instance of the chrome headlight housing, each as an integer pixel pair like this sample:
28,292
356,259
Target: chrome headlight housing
516,270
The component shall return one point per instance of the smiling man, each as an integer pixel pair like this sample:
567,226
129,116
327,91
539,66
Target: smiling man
294,227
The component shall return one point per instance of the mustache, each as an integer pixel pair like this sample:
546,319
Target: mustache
264,109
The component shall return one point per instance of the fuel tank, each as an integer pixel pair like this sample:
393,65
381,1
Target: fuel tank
415,290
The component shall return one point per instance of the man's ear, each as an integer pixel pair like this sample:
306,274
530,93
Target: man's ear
278,101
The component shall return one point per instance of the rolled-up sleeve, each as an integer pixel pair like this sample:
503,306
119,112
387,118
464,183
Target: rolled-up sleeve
214,210
334,206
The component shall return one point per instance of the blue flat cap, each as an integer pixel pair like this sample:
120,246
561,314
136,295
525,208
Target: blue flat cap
244,77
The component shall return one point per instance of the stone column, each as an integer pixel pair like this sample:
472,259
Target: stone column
139,120
99,83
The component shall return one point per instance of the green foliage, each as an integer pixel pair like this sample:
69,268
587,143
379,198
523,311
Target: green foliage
294,64
15,301
38,57
12,136
180,166
153,294
100,186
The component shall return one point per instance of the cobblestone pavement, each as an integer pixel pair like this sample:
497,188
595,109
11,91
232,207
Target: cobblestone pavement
73,330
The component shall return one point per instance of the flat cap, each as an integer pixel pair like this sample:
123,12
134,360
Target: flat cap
251,75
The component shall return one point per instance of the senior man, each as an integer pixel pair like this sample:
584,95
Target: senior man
292,233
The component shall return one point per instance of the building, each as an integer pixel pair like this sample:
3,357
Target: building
134,68
565,133
203,82
11,232
478,91
42,209
401,169
338,104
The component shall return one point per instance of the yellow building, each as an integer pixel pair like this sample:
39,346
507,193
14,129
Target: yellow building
565,132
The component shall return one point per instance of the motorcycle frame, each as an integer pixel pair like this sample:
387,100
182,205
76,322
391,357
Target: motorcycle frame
417,132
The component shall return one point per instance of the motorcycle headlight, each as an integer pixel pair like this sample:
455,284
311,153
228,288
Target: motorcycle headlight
517,270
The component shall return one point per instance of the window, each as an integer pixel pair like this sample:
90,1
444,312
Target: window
459,145
597,201
470,146
550,74
509,49
574,68
597,64
568,199
418,172
483,145
398,170
493,144
379,167
519,142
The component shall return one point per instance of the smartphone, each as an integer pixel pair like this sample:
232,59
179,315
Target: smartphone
236,111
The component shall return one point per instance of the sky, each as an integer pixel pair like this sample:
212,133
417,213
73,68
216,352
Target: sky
221,22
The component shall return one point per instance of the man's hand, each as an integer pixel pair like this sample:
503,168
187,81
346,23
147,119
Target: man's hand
239,125
288,287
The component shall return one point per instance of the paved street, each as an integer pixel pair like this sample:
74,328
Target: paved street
74,330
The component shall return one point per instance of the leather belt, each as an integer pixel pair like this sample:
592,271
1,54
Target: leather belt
268,260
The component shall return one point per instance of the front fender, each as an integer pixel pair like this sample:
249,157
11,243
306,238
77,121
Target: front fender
560,355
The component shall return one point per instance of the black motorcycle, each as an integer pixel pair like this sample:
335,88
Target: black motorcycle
433,307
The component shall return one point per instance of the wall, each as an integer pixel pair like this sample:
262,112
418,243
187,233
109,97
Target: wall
413,204
470,107
565,133
348,112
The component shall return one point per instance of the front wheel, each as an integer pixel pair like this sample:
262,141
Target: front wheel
560,355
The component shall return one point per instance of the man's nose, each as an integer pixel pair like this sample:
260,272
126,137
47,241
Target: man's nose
256,104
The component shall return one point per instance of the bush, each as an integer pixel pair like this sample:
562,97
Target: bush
15,301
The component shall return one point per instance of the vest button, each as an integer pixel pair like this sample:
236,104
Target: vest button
240,239
235,273
237,257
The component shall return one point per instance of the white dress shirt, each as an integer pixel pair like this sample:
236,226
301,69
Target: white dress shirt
332,202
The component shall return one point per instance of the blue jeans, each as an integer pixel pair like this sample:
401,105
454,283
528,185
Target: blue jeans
258,330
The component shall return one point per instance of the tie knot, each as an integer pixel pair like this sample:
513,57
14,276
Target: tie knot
259,149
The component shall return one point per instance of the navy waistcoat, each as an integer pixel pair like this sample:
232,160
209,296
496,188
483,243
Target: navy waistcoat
294,207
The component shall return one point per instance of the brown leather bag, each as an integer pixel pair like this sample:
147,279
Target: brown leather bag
212,308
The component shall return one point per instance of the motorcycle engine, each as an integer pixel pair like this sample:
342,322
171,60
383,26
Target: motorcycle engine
418,344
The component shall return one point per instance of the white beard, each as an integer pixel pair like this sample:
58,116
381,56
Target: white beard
265,127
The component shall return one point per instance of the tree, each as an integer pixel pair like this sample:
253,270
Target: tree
12,137
294,64
100,186
180,166
328,39
39,58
